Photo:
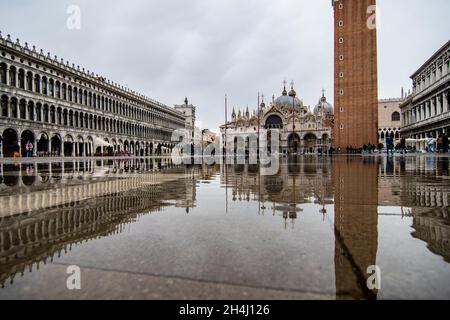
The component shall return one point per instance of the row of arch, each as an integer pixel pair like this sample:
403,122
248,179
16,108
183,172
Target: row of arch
383,134
15,108
308,143
15,144
33,82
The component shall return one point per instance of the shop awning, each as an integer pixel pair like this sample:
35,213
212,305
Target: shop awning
98,142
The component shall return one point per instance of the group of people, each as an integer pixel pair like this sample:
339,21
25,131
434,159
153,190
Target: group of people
15,152
367,148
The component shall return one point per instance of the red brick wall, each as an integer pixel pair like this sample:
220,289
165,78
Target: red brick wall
360,82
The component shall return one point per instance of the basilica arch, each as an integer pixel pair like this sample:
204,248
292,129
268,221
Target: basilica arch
294,142
310,143
274,121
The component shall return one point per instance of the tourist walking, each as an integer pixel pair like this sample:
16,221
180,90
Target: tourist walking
29,149
431,145
390,145
440,144
403,145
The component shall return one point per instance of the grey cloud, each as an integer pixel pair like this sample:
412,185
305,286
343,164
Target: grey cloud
169,49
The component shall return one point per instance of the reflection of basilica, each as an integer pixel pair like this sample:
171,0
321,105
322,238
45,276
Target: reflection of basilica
350,185
298,182
359,188
301,130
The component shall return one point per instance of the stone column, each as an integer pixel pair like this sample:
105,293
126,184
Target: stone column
447,96
35,149
433,110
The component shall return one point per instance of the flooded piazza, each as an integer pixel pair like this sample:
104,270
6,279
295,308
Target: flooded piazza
150,229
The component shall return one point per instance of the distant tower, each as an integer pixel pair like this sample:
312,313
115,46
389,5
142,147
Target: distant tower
356,73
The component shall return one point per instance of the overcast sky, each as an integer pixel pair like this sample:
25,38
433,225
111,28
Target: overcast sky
202,49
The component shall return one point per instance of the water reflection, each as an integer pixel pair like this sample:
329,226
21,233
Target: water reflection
46,208
357,188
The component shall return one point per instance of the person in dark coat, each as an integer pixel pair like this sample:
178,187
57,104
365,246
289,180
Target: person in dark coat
403,145
445,143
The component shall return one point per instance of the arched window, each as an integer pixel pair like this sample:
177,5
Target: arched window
29,81
4,106
31,110
64,91
38,112
13,104
58,89
21,79
44,85
51,87
46,114
274,122
59,116
37,83
52,115
12,76
3,69
71,118
396,116
65,117
85,94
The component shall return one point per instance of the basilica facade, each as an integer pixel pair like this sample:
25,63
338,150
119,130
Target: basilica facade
301,130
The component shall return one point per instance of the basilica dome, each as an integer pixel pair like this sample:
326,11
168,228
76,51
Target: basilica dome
286,100
323,106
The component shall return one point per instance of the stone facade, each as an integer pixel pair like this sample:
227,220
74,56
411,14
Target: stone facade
301,129
389,119
67,111
189,111
426,113
356,78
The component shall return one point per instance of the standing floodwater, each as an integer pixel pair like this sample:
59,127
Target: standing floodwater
152,229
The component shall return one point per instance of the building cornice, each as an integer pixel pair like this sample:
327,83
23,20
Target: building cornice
80,73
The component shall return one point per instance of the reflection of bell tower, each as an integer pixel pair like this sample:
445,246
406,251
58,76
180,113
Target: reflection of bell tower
356,225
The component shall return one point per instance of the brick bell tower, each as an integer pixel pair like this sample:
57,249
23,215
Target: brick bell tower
355,74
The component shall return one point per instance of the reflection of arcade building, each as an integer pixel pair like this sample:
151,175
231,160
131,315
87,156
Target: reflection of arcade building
301,131
39,234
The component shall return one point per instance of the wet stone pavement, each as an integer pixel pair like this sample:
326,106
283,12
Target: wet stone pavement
149,229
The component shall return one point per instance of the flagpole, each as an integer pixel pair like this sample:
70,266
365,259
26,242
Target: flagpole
259,124
257,156
225,153
226,124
